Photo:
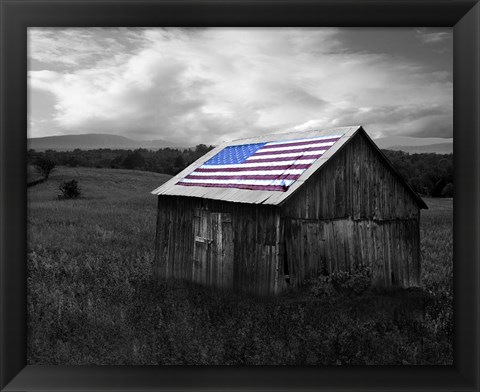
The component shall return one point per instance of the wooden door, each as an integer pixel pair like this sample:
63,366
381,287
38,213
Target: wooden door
305,250
213,249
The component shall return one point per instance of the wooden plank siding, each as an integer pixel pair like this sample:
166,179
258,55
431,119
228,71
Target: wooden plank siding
353,183
354,211
193,243
174,231
390,247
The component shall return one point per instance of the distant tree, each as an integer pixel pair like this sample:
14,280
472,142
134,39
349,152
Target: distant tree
32,155
179,164
69,189
438,188
44,166
117,162
447,191
202,149
72,161
417,184
427,173
168,168
134,160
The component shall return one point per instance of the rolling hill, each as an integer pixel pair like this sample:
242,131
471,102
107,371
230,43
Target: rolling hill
416,145
438,148
92,141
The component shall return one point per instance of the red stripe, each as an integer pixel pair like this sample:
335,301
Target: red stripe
256,168
300,152
252,177
265,160
238,186
301,143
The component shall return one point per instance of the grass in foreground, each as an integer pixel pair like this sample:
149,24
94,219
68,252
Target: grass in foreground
92,299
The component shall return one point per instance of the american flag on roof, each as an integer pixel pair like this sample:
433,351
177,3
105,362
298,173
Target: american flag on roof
271,166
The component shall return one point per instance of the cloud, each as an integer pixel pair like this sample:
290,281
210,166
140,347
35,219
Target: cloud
427,36
408,120
208,85
75,47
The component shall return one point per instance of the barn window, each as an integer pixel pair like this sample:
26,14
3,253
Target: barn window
213,248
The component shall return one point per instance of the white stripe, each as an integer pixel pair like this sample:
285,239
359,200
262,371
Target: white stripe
286,155
256,164
302,140
249,173
293,148
240,182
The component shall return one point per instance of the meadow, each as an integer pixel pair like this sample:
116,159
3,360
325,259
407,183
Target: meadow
93,300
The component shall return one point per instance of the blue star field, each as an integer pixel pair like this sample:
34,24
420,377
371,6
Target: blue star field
232,155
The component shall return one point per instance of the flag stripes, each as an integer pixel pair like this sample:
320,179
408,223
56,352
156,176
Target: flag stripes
251,168
270,166
299,146
268,155
244,173
281,162
239,177
238,186
242,181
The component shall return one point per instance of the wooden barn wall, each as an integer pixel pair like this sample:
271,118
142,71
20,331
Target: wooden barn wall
353,183
390,247
173,257
353,211
256,245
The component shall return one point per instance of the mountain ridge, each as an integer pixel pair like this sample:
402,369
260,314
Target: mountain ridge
92,141
437,148
416,145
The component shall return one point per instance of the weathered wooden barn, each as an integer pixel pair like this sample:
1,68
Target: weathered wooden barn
290,206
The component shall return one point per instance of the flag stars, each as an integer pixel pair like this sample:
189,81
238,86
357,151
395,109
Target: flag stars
234,154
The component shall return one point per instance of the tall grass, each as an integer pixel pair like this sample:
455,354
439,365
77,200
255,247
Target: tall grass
92,298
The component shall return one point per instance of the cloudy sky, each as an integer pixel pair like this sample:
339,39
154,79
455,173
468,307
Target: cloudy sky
193,86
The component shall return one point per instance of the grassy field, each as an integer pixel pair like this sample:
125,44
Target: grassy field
92,298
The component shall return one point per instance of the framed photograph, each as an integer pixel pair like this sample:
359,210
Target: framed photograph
105,277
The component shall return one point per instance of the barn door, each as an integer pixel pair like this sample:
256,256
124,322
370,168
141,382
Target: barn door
201,248
213,249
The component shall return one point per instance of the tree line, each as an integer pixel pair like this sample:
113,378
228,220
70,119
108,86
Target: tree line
165,160
427,173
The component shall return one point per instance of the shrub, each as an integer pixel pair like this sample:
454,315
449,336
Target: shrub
69,189
322,286
355,282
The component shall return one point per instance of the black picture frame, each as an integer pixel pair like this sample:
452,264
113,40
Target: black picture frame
17,15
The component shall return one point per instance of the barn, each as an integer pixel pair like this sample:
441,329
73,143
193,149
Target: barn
263,214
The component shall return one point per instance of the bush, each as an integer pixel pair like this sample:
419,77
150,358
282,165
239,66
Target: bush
350,283
69,189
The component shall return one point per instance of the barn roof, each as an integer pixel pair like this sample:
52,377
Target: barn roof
337,137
